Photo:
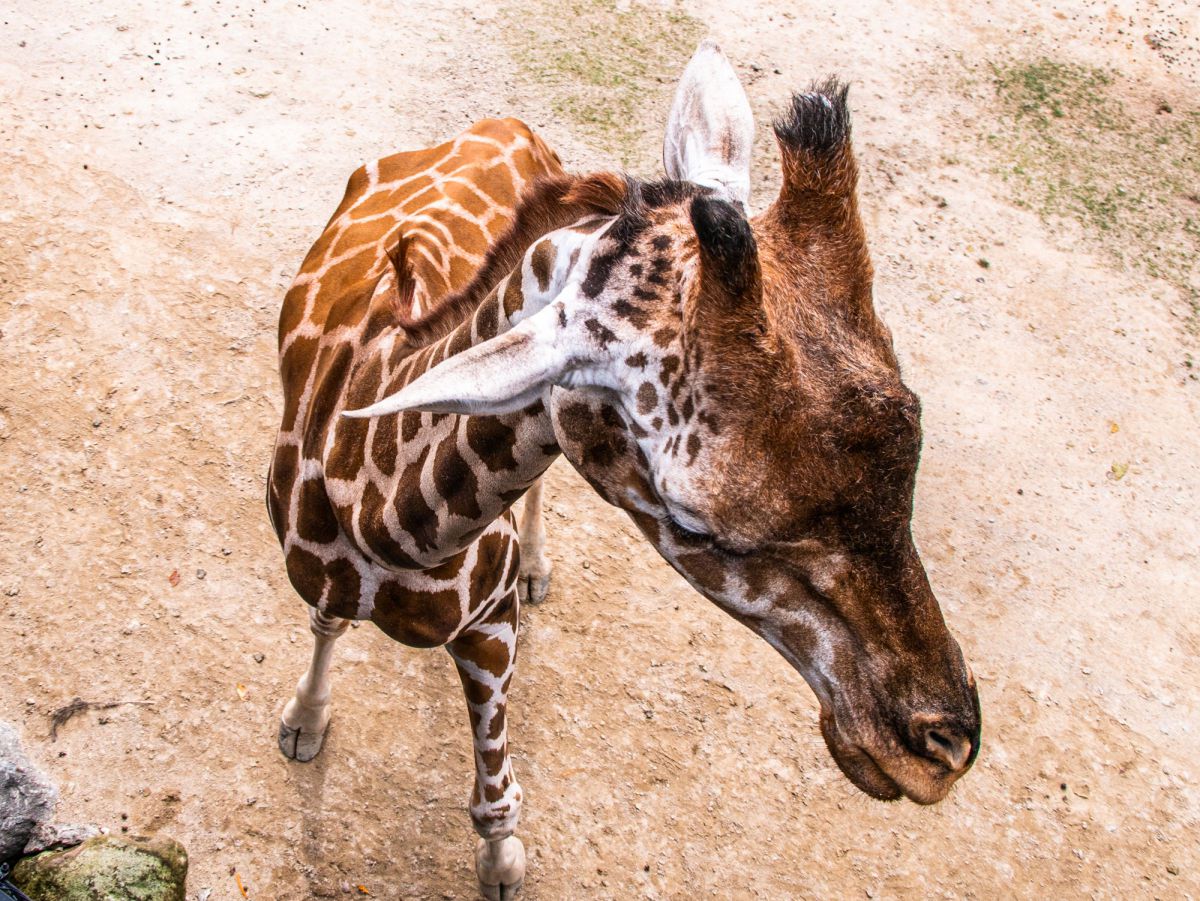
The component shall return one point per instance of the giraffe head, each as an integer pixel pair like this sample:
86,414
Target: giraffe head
726,381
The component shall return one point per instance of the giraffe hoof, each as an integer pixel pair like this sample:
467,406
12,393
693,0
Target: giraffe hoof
532,589
500,866
300,744
499,892
533,579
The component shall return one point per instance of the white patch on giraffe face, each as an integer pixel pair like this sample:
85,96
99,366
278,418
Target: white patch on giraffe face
815,666
770,613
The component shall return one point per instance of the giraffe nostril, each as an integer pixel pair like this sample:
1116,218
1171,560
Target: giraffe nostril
940,741
947,746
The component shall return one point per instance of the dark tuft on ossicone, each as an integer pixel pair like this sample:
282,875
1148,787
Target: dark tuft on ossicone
818,121
726,242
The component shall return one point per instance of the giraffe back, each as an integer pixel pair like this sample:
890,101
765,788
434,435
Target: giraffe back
449,204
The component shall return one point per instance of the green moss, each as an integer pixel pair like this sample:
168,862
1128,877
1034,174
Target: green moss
604,69
106,868
1069,145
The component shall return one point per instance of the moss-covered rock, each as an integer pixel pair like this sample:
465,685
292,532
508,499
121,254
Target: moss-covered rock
107,868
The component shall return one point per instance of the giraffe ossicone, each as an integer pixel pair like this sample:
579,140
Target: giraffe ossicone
471,313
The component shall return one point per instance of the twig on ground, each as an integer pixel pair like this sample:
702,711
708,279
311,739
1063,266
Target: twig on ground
60,716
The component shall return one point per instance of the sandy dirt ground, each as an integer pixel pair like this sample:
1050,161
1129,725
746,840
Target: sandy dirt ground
163,169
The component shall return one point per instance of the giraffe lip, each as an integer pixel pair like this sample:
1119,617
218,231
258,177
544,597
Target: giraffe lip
913,778
857,764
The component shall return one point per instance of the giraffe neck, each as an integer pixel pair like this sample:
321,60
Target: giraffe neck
421,487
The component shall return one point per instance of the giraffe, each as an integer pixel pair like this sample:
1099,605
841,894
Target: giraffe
722,379
431,215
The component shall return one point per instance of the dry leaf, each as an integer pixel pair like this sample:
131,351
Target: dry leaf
173,578
1118,471
241,690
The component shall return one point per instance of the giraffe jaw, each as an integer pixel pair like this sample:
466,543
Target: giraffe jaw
871,754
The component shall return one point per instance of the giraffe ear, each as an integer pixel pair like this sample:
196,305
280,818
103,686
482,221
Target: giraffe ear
501,375
711,129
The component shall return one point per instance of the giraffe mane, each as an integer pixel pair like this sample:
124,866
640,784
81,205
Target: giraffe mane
547,205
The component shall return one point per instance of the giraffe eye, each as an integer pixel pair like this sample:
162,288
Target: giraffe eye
689,530
687,522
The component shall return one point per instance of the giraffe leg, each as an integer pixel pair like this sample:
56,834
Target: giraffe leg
485,655
534,576
306,715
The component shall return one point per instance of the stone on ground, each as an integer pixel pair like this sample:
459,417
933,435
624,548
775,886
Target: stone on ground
107,868
27,797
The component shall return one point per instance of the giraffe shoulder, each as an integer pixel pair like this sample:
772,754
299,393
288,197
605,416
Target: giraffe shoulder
508,130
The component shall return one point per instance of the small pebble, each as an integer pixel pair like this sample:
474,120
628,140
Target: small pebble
200,574
259,658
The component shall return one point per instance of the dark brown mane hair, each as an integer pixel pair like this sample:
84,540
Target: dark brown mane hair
547,205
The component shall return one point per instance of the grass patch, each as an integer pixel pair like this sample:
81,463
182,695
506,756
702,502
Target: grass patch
1070,146
603,68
